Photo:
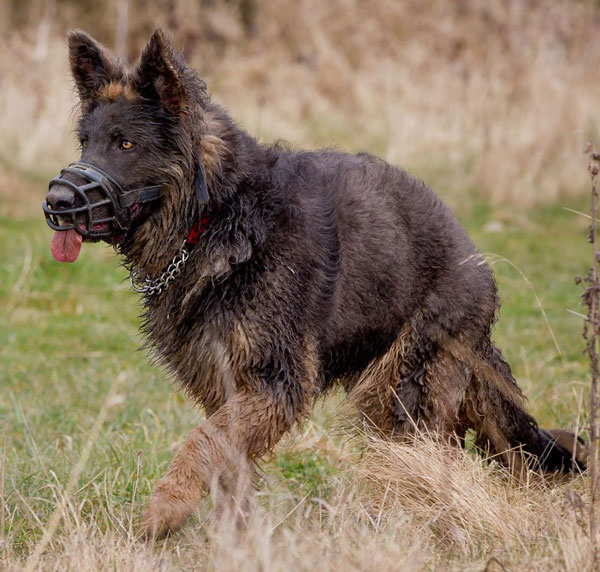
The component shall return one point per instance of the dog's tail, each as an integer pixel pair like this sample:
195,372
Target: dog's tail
496,411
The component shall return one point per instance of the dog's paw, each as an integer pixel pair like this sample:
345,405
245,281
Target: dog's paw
163,517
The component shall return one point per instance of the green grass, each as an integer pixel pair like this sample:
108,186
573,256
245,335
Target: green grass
536,257
68,331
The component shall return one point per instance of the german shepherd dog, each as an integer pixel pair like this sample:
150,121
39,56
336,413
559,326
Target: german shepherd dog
269,276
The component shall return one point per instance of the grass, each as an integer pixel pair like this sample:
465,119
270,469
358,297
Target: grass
325,499
494,97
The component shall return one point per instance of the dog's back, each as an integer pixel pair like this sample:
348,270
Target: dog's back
382,246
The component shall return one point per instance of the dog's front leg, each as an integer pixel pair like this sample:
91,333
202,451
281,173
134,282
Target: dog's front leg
245,427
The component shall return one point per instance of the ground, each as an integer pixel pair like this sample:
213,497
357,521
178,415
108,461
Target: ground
75,389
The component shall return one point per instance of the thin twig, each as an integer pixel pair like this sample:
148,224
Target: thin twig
494,560
492,259
578,213
591,329
3,486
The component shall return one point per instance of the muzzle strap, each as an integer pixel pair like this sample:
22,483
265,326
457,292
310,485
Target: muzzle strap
200,188
142,195
109,195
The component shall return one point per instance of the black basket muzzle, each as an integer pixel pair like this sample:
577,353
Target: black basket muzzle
110,214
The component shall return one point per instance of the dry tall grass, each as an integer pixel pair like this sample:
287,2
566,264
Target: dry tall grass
497,96
396,507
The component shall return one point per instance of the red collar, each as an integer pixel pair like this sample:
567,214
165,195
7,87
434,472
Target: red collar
198,228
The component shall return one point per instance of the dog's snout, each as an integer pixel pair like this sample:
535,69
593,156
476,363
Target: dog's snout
60,198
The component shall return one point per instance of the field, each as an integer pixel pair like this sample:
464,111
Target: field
88,423
74,385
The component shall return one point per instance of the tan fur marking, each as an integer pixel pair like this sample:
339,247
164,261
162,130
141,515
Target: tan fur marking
153,260
212,148
113,90
373,394
447,381
569,441
130,93
483,370
445,386
245,427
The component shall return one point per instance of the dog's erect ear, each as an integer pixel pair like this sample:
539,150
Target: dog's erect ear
160,74
91,65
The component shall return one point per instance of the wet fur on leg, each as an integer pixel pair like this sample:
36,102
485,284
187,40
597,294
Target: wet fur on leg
447,387
218,452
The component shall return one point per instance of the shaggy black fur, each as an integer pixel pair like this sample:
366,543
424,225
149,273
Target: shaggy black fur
315,268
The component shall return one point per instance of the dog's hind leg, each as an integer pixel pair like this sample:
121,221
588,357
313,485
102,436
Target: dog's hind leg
495,410
415,386
244,428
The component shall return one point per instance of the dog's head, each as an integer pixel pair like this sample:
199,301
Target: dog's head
137,146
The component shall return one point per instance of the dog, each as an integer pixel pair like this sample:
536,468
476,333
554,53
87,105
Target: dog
269,276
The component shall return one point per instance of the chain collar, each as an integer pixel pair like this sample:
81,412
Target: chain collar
156,286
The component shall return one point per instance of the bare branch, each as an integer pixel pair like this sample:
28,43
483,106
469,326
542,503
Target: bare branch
591,329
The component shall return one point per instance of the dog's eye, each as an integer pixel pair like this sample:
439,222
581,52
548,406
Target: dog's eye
126,145
83,142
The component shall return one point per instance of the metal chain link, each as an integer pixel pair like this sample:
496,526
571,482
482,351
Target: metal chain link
156,286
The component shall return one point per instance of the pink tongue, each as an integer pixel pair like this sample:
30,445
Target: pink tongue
65,245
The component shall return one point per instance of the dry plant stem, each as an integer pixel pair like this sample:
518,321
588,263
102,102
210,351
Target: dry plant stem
492,259
3,487
590,333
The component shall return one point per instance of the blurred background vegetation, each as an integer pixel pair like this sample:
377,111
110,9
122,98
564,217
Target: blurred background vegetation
495,97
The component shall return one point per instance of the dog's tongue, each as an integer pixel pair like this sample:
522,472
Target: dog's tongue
65,245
